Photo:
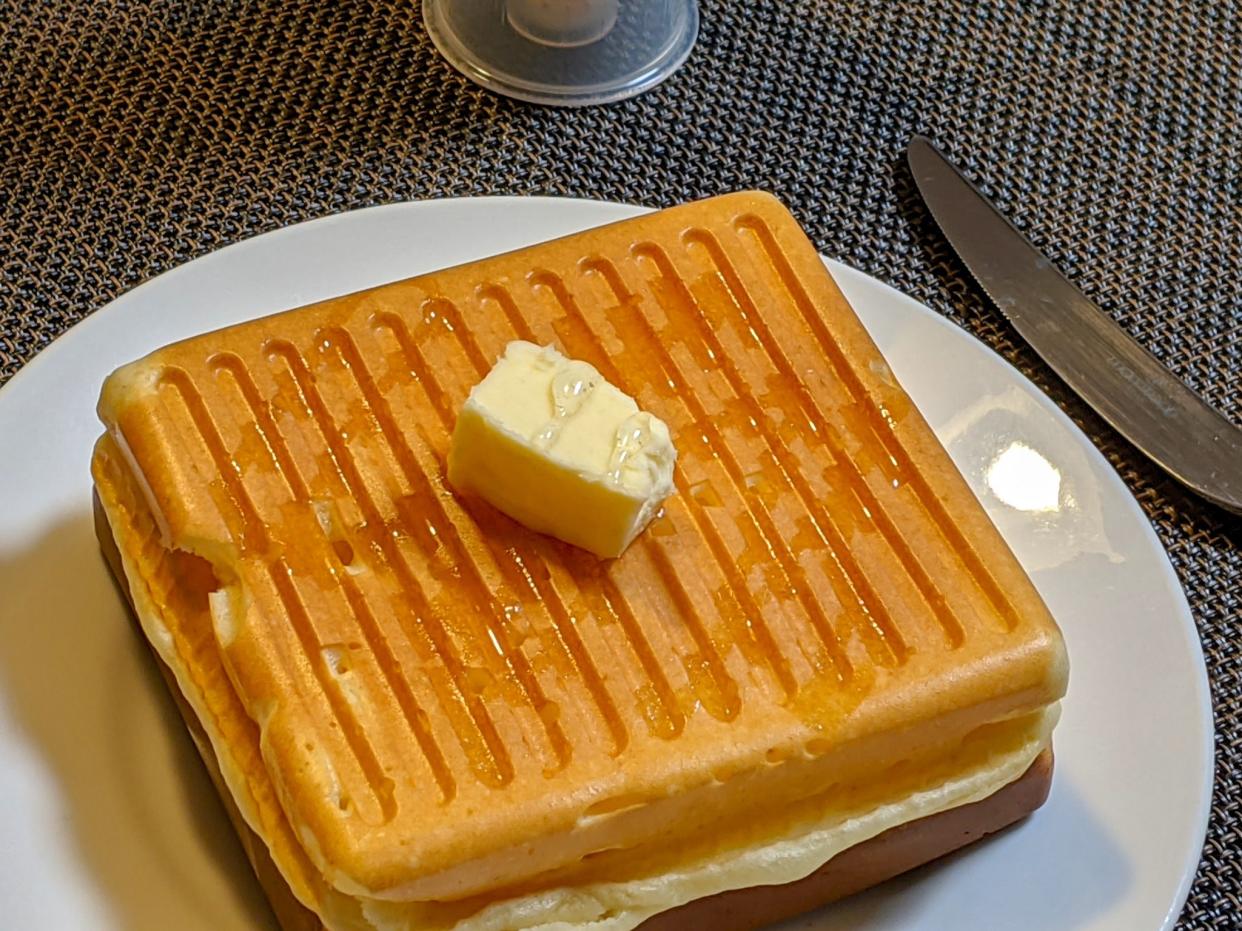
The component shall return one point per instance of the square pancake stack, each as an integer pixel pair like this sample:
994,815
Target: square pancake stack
818,666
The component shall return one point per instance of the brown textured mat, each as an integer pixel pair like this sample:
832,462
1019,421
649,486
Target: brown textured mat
137,136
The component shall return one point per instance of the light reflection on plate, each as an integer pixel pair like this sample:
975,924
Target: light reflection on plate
1024,479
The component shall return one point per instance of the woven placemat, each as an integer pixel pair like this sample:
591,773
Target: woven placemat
135,136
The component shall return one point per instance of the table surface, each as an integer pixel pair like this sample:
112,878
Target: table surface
136,136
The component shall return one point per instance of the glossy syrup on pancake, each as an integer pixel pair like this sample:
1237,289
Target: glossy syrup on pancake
451,705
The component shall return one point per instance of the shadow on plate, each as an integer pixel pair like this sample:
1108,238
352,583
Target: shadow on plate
87,697
1074,886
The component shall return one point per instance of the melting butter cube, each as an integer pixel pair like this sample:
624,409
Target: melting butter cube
548,441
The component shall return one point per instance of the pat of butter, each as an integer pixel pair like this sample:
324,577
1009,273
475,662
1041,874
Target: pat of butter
548,441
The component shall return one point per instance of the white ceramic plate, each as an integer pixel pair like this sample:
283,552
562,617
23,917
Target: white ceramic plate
106,820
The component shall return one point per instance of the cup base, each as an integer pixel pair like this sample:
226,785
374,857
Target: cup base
649,41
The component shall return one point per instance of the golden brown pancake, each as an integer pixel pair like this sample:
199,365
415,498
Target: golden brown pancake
431,715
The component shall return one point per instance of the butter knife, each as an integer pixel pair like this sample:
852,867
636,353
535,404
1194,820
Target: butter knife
1121,380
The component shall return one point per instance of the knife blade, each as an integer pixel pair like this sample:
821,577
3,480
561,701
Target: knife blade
1121,380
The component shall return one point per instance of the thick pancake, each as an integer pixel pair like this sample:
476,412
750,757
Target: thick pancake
823,597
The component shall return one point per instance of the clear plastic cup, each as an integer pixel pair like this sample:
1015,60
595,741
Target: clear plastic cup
564,52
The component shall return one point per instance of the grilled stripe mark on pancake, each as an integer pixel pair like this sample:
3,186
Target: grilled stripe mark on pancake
674,297
847,571
481,742
515,565
664,717
724,704
747,618
418,477
888,439
280,574
897,542
373,635
503,299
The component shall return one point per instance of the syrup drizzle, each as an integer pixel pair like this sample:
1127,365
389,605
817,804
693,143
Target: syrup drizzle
570,388
280,576
515,561
372,633
632,438
422,624
898,456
